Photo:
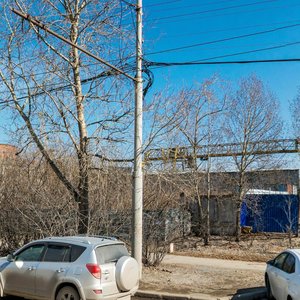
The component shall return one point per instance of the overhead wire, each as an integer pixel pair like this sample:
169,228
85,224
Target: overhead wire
53,87
224,39
227,29
162,3
191,63
212,10
173,21
128,3
198,44
201,61
62,70
189,6
146,71
149,64
253,51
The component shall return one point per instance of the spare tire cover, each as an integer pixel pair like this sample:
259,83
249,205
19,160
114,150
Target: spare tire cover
127,273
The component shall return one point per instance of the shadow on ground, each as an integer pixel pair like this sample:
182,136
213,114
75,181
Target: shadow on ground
256,293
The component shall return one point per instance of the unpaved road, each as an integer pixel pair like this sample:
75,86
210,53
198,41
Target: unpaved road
213,263
192,275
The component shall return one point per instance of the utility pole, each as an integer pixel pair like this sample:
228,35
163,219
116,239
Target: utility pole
208,170
137,199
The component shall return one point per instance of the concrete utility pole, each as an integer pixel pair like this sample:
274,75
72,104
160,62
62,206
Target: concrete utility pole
137,199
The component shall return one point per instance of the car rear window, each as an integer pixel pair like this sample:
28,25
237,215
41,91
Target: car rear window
76,252
110,253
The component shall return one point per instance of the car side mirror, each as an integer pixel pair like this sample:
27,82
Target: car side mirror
10,258
270,262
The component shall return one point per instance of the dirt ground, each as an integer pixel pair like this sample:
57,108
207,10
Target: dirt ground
190,279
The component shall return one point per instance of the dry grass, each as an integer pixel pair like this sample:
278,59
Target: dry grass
252,247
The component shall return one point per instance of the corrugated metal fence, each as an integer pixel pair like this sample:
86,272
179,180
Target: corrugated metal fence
271,213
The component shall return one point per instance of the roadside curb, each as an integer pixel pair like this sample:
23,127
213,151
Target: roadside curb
246,294
173,296
251,294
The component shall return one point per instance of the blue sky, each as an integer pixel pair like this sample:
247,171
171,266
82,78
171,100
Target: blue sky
183,23
170,24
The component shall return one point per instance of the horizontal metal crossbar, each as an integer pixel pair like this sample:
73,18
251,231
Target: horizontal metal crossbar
221,150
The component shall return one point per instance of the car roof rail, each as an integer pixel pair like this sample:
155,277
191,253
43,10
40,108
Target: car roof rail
106,237
68,238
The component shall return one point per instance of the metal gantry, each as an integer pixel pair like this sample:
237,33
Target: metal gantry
221,150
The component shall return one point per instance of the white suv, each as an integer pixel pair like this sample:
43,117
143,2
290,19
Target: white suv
70,268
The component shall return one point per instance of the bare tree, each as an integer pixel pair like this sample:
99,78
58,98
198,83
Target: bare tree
294,108
30,205
111,201
161,119
252,117
289,210
70,106
164,215
197,110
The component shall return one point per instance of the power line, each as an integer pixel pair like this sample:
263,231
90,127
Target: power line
54,87
212,10
224,39
46,29
253,51
161,3
128,3
84,81
170,64
116,61
223,14
227,29
205,61
148,64
188,6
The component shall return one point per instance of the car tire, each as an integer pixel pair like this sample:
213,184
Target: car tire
268,287
127,273
67,293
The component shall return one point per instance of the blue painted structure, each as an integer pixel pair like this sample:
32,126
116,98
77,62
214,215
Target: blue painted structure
270,212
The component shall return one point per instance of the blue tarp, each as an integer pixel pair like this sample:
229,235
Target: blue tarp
270,213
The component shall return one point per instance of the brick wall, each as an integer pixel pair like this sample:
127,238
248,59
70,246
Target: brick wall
7,151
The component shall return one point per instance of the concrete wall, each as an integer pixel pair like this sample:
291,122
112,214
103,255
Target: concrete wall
221,213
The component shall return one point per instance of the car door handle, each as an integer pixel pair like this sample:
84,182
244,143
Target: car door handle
61,270
106,272
31,268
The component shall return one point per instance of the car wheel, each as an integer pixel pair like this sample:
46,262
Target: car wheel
268,287
127,273
67,293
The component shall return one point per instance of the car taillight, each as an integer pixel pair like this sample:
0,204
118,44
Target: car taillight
95,270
